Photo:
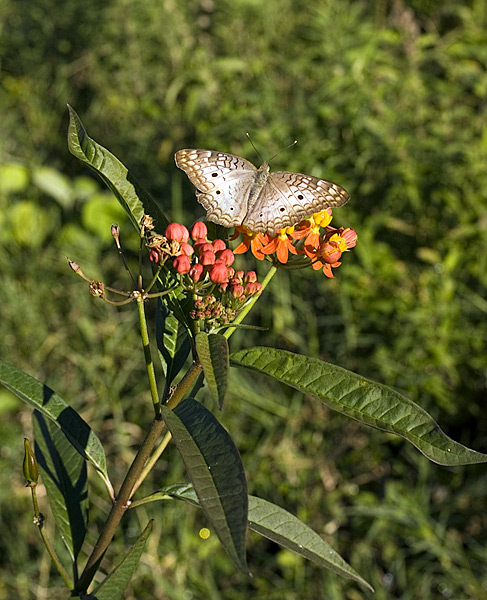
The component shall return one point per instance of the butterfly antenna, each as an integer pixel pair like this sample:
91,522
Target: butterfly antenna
281,151
253,145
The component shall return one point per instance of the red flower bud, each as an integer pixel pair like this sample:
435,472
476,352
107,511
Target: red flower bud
219,245
207,258
237,290
154,255
250,277
195,272
226,256
199,231
239,275
329,252
201,247
250,288
182,264
218,273
186,249
349,236
177,232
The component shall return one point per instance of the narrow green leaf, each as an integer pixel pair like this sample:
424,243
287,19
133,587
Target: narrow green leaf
114,585
278,525
215,468
134,199
361,399
63,472
213,353
172,341
52,406
285,529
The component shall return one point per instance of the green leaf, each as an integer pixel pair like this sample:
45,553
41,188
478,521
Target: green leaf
285,529
213,353
52,406
114,585
361,399
63,472
134,199
278,525
172,341
215,468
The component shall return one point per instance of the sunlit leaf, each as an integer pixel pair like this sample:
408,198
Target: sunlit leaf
134,199
52,406
361,399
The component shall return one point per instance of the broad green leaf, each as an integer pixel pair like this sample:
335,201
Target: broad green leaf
361,399
115,584
134,199
278,525
172,341
216,471
63,472
212,350
52,406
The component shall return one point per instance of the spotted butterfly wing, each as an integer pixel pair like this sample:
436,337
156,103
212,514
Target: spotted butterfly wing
234,192
223,180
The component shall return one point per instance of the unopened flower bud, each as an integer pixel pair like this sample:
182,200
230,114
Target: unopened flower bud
250,288
30,468
199,231
237,290
115,231
186,249
154,255
207,258
218,273
219,245
196,272
226,256
239,275
250,277
182,264
201,247
329,252
177,232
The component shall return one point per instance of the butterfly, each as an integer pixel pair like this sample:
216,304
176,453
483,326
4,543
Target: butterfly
234,192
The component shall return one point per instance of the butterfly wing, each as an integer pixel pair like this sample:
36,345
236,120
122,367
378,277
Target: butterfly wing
223,182
288,198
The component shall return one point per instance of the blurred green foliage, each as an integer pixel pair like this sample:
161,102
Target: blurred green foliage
388,99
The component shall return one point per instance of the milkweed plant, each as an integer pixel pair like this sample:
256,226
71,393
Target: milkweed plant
202,298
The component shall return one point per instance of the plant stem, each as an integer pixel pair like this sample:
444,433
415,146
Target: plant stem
148,357
119,506
39,521
152,461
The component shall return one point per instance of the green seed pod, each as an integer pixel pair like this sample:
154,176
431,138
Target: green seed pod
31,470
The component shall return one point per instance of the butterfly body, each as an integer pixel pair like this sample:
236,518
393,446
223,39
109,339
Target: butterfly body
234,192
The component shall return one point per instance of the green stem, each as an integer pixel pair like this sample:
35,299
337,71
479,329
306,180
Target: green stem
148,357
119,506
245,311
151,462
39,521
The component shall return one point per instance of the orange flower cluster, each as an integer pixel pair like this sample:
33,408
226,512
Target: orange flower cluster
315,240
203,268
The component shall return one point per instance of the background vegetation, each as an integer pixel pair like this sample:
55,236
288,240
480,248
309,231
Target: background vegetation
387,98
